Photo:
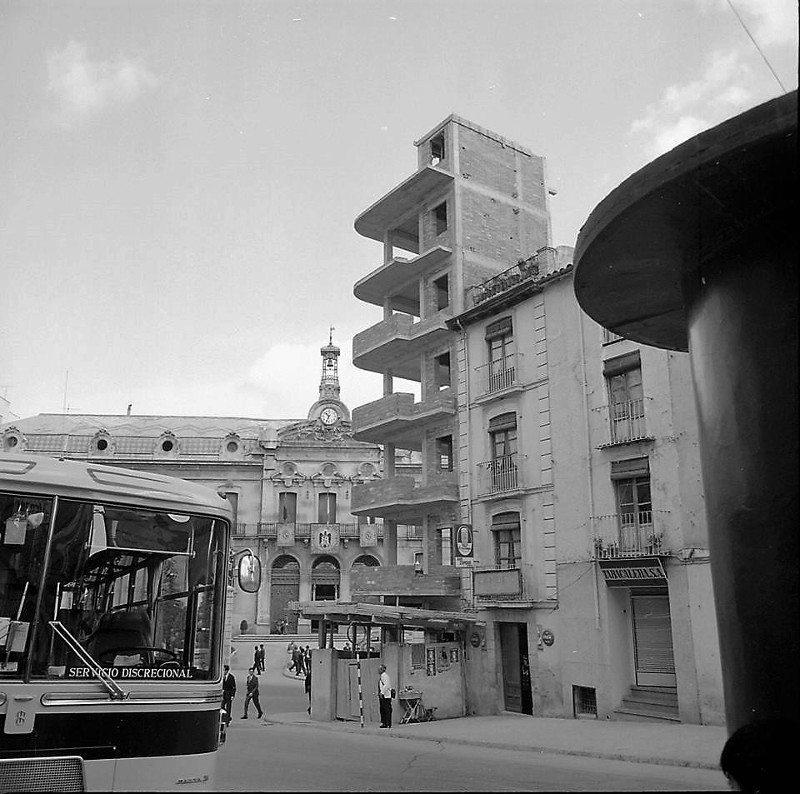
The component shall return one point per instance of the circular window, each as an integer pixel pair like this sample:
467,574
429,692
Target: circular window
232,446
102,445
11,441
167,446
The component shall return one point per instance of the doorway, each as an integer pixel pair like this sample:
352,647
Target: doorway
284,587
517,692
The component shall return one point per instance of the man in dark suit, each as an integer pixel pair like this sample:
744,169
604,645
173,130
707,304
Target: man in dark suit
228,691
252,693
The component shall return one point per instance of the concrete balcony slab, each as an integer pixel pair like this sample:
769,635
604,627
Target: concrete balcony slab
399,280
397,344
401,200
403,580
397,419
400,499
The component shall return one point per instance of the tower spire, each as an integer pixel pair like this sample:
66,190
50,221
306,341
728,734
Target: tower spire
329,383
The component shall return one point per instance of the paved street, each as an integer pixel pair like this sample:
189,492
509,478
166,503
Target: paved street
272,757
268,756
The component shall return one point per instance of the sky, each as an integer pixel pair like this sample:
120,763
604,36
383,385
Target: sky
179,178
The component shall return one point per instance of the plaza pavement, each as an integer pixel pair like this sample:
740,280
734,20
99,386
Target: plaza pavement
672,744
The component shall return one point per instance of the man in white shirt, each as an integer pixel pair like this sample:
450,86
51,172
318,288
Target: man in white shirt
385,697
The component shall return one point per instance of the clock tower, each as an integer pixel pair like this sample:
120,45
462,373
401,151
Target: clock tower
329,409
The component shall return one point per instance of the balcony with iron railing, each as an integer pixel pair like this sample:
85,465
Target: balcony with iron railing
397,343
501,475
498,378
397,419
628,535
302,530
526,270
626,422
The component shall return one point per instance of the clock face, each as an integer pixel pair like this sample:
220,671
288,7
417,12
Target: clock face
329,416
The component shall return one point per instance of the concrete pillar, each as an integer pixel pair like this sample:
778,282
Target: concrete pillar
431,544
390,542
388,460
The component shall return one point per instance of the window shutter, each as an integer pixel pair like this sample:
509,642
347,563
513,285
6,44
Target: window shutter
503,422
627,469
501,327
620,364
505,521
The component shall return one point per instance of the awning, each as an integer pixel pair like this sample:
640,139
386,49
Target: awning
383,615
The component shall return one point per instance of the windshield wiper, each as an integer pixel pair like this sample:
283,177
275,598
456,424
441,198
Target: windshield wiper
114,689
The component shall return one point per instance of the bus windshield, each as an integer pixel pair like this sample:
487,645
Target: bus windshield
139,590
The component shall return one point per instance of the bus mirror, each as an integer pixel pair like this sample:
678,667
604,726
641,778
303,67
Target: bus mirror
249,573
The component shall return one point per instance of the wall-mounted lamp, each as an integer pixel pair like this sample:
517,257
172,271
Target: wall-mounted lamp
306,541
418,568
345,541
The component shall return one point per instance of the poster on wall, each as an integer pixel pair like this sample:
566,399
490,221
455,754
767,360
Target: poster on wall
442,660
430,661
454,656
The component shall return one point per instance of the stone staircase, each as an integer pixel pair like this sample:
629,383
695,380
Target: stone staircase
649,704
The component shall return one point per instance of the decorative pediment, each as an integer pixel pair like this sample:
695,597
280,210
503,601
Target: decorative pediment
102,443
288,474
13,440
315,431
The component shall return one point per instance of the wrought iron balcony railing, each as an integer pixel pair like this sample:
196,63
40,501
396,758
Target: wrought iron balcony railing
534,267
499,475
265,529
627,421
632,534
498,375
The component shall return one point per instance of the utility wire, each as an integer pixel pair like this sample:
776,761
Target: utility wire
755,44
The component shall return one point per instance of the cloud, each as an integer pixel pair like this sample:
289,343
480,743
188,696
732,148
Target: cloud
733,80
769,21
684,110
83,87
286,380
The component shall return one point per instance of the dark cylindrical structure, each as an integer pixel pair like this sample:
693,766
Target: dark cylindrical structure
698,251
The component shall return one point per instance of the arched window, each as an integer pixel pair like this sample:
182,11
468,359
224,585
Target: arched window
366,560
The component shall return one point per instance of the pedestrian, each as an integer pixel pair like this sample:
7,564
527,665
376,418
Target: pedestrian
385,693
252,693
257,660
228,692
300,668
261,657
295,658
759,756
308,688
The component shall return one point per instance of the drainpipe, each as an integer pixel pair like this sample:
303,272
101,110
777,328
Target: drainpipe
466,574
590,479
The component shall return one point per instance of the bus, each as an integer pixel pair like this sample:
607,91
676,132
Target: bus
112,602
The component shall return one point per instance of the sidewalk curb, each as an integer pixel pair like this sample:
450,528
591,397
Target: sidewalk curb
609,755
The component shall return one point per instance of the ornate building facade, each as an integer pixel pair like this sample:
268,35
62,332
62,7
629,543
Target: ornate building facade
289,482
